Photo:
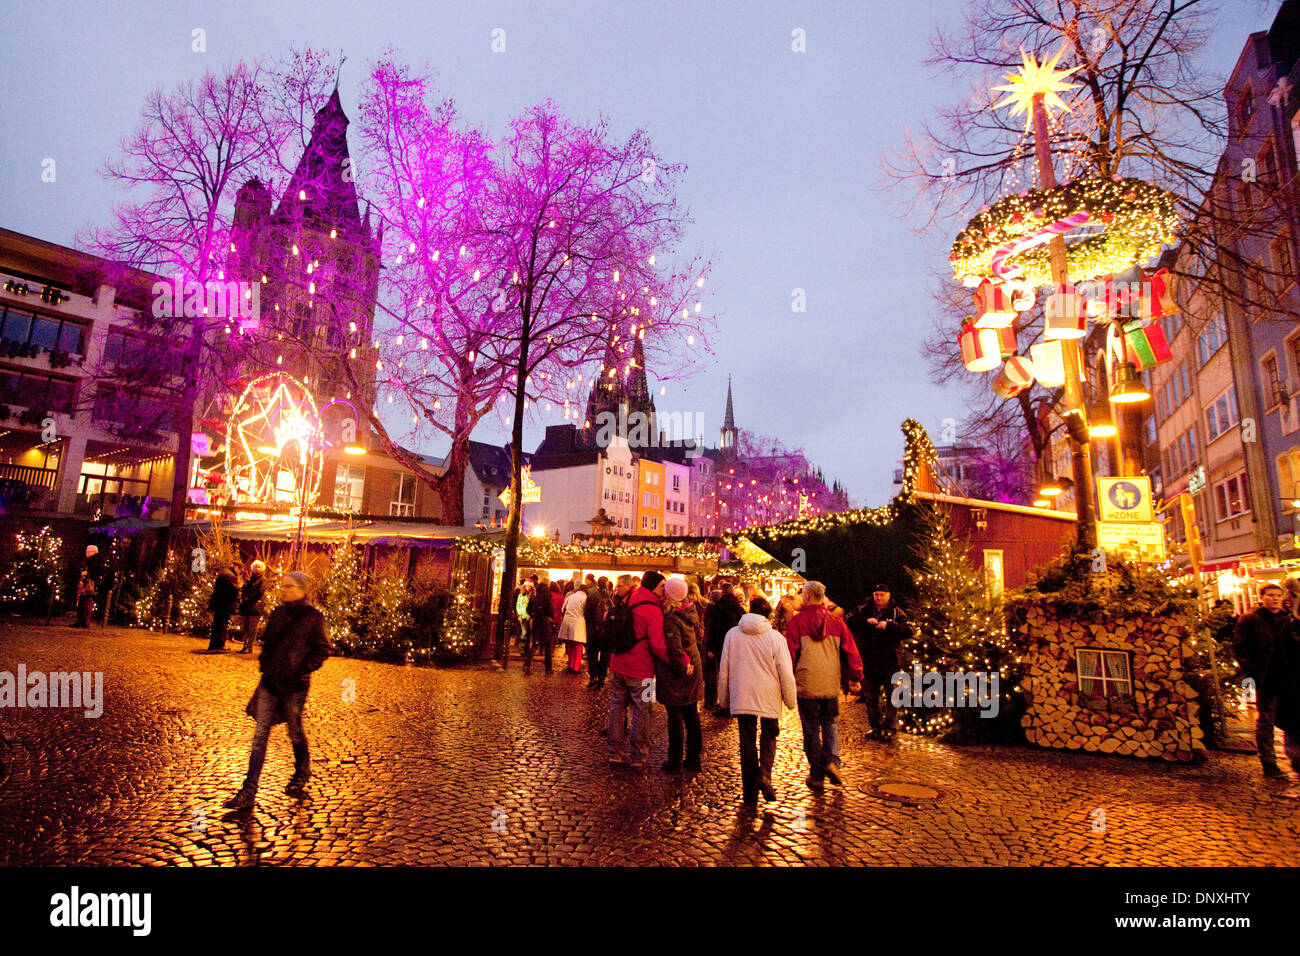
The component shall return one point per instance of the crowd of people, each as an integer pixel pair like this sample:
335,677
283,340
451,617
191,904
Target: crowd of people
664,640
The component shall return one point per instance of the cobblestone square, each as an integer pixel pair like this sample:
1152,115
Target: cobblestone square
469,766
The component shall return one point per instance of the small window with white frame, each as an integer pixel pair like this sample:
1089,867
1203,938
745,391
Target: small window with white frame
1105,678
403,503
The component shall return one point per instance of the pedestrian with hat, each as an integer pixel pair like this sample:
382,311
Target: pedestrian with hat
880,627
294,645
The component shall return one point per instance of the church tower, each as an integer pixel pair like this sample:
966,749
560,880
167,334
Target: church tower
621,383
727,440
317,260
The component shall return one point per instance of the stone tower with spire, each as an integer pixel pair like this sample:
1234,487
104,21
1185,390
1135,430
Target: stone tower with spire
727,439
317,259
620,391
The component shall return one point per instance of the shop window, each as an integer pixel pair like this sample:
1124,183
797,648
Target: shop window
349,486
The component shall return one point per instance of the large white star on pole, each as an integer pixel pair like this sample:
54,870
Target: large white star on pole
1035,79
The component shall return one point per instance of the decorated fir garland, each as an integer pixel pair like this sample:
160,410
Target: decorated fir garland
1136,218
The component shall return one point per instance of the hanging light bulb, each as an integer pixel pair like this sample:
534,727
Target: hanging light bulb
334,233
435,255
690,340
471,355
302,195
399,339
295,248
352,326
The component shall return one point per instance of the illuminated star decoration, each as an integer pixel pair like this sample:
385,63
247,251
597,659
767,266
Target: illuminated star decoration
1035,79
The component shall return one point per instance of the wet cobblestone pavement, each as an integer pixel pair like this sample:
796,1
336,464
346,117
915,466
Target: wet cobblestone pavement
475,766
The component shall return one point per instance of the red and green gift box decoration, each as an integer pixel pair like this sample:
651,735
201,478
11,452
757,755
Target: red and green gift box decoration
1146,346
980,348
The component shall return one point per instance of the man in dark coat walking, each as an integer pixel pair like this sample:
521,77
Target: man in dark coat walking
541,620
879,628
1284,683
722,616
223,603
1255,641
595,611
293,646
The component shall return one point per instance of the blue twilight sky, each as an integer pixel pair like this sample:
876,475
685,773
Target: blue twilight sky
783,153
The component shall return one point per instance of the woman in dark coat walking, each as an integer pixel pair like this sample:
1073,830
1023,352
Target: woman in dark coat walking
223,603
252,604
680,684
294,645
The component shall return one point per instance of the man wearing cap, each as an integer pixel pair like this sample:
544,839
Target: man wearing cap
631,678
880,627
293,646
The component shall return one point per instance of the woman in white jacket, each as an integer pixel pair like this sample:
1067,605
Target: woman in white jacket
573,628
755,678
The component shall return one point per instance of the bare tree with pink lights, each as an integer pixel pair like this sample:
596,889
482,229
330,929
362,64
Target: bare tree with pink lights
195,146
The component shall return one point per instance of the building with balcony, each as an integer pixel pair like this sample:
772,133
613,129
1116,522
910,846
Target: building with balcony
76,438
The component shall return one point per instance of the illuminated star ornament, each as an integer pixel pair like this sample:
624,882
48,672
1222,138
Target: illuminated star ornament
1035,79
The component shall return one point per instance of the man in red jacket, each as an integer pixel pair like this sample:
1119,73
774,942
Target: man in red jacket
825,660
631,675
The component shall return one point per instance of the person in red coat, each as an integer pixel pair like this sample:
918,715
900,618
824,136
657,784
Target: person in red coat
631,677
826,662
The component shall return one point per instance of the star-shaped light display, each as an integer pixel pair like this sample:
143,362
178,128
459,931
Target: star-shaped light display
1035,79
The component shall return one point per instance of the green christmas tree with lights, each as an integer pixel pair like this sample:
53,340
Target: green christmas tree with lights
343,597
460,622
386,620
35,574
957,626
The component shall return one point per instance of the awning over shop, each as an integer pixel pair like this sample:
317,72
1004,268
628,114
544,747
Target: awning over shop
381,533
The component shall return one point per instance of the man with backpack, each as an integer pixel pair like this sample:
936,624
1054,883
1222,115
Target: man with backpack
825,660
635,630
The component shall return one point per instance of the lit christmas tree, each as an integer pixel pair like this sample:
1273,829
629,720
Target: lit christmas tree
212,551
173,580
460,623
35,573
342,596
957,628
385,618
